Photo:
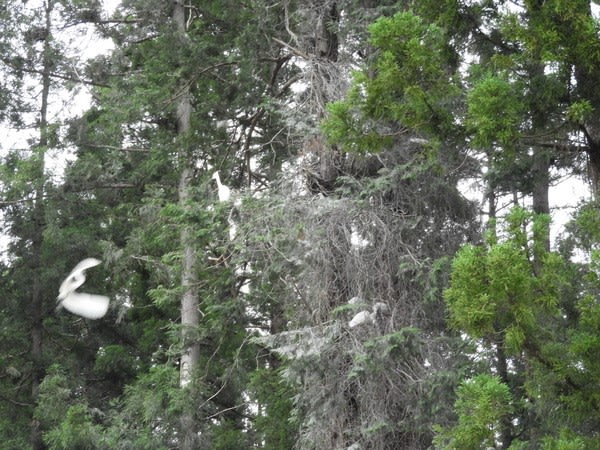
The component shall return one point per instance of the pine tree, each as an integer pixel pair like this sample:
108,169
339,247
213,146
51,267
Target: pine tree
361,250
154,139
344,295
36,67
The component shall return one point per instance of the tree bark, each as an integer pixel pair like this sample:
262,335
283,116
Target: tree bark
324,55
587,76
189,301
540,167
39,214
190,316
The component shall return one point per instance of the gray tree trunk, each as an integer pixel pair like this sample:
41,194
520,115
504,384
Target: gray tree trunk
189,301
190,316
39,216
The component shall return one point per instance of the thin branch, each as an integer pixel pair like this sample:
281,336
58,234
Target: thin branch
10,64
574,147
287,22
294,50
121,149
116,185
15,402
186,86
218,413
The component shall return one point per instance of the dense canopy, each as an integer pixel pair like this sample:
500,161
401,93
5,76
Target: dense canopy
323,224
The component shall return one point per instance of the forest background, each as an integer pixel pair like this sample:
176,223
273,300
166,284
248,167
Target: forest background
347,294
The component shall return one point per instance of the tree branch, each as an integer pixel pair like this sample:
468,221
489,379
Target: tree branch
14,67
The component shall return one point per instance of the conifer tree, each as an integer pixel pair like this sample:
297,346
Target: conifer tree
196,98
345,296
36,69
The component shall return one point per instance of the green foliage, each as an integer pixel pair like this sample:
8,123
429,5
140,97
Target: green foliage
15,364
521,302
76,431
410,70
113,361
585,228
579,112
482,404
411,88
346,125
496,289
566,442
495,112
229,436
67,421
436,91
274,425
54,398
146,416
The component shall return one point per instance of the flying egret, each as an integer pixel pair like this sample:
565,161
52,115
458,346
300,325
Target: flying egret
90,306
224,191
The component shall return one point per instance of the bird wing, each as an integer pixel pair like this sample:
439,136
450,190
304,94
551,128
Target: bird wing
87,263
77,277
90,306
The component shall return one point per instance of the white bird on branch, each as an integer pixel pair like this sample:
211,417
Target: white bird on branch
360,318
90,306
224,191
224,194
368,317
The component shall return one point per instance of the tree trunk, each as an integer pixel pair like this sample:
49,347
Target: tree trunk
325,53
189,301
505,431
38,214
587,76
591,131
540,166
541,203
490,199
190,316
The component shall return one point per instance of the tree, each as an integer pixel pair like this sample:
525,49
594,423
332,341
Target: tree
363,245
483,404
531,321
147,149
346,295
35,65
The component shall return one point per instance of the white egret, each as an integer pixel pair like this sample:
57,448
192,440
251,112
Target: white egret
360,318
90,306
224,194
368,317
224,191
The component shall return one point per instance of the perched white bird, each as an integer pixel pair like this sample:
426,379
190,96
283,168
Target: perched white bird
360,318
368,317
90,306
224,191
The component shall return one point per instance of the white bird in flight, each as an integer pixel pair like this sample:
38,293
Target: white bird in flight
90,306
